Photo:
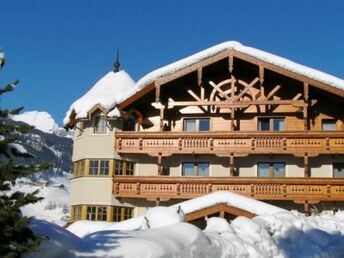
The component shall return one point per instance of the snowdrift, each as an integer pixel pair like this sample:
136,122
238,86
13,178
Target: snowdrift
162,233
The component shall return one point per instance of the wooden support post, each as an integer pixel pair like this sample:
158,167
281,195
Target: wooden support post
306,165
222,214
162,108
232,97
159,164
305,108
261,80
231,164
199,77
230,64
232,118
157,93
306,208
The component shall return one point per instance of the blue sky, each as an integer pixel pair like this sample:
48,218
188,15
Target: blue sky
59,49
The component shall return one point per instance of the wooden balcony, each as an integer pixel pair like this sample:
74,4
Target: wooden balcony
223,143
163,188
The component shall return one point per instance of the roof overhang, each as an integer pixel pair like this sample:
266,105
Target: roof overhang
230,53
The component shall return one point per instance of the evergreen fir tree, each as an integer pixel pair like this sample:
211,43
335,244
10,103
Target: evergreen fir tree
15,236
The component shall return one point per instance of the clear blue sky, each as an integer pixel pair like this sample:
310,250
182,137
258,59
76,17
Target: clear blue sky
59,49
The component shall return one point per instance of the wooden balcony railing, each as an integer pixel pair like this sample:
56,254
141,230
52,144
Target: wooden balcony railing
223,143
164,188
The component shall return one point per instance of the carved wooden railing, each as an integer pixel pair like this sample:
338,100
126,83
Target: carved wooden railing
164,188
223,143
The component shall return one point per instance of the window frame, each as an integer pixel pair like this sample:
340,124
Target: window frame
271,169
123,167
197,123
79,168
271,124
196,170
77,212
121,213
96,212
97,169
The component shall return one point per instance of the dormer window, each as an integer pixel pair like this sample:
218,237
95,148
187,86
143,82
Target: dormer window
329,124
99,124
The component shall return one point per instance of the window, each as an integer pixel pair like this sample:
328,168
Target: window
79,167
93,168
196,125
195,169
270,124
329,124
96,213
77,212
124,168
101,213
98,167
91,213
122,213
99,124
271,169
338,170
104,167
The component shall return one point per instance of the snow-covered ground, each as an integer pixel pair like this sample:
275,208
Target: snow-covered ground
55,189
162,232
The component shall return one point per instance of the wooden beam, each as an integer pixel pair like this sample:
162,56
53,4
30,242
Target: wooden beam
136,96
218,208
230,64
194,95
199,76
306,165
247,88
157,93
231,164
223,94
159,164
162,108
288,73
305,91
237,104
274,90
297,96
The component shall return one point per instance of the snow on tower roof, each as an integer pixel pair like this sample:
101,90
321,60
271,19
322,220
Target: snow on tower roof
107,92
256,53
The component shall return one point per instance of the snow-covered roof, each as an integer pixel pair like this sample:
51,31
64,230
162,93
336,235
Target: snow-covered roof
256,53
107,92
114,88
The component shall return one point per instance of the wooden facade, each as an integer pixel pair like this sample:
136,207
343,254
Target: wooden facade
240,97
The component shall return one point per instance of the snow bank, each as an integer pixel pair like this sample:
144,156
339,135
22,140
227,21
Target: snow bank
55,205
107,92
285,234
231,199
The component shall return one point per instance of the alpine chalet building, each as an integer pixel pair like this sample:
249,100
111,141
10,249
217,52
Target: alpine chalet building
230,117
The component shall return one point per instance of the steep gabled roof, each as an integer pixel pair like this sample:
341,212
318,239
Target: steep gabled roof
268,60
106,93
